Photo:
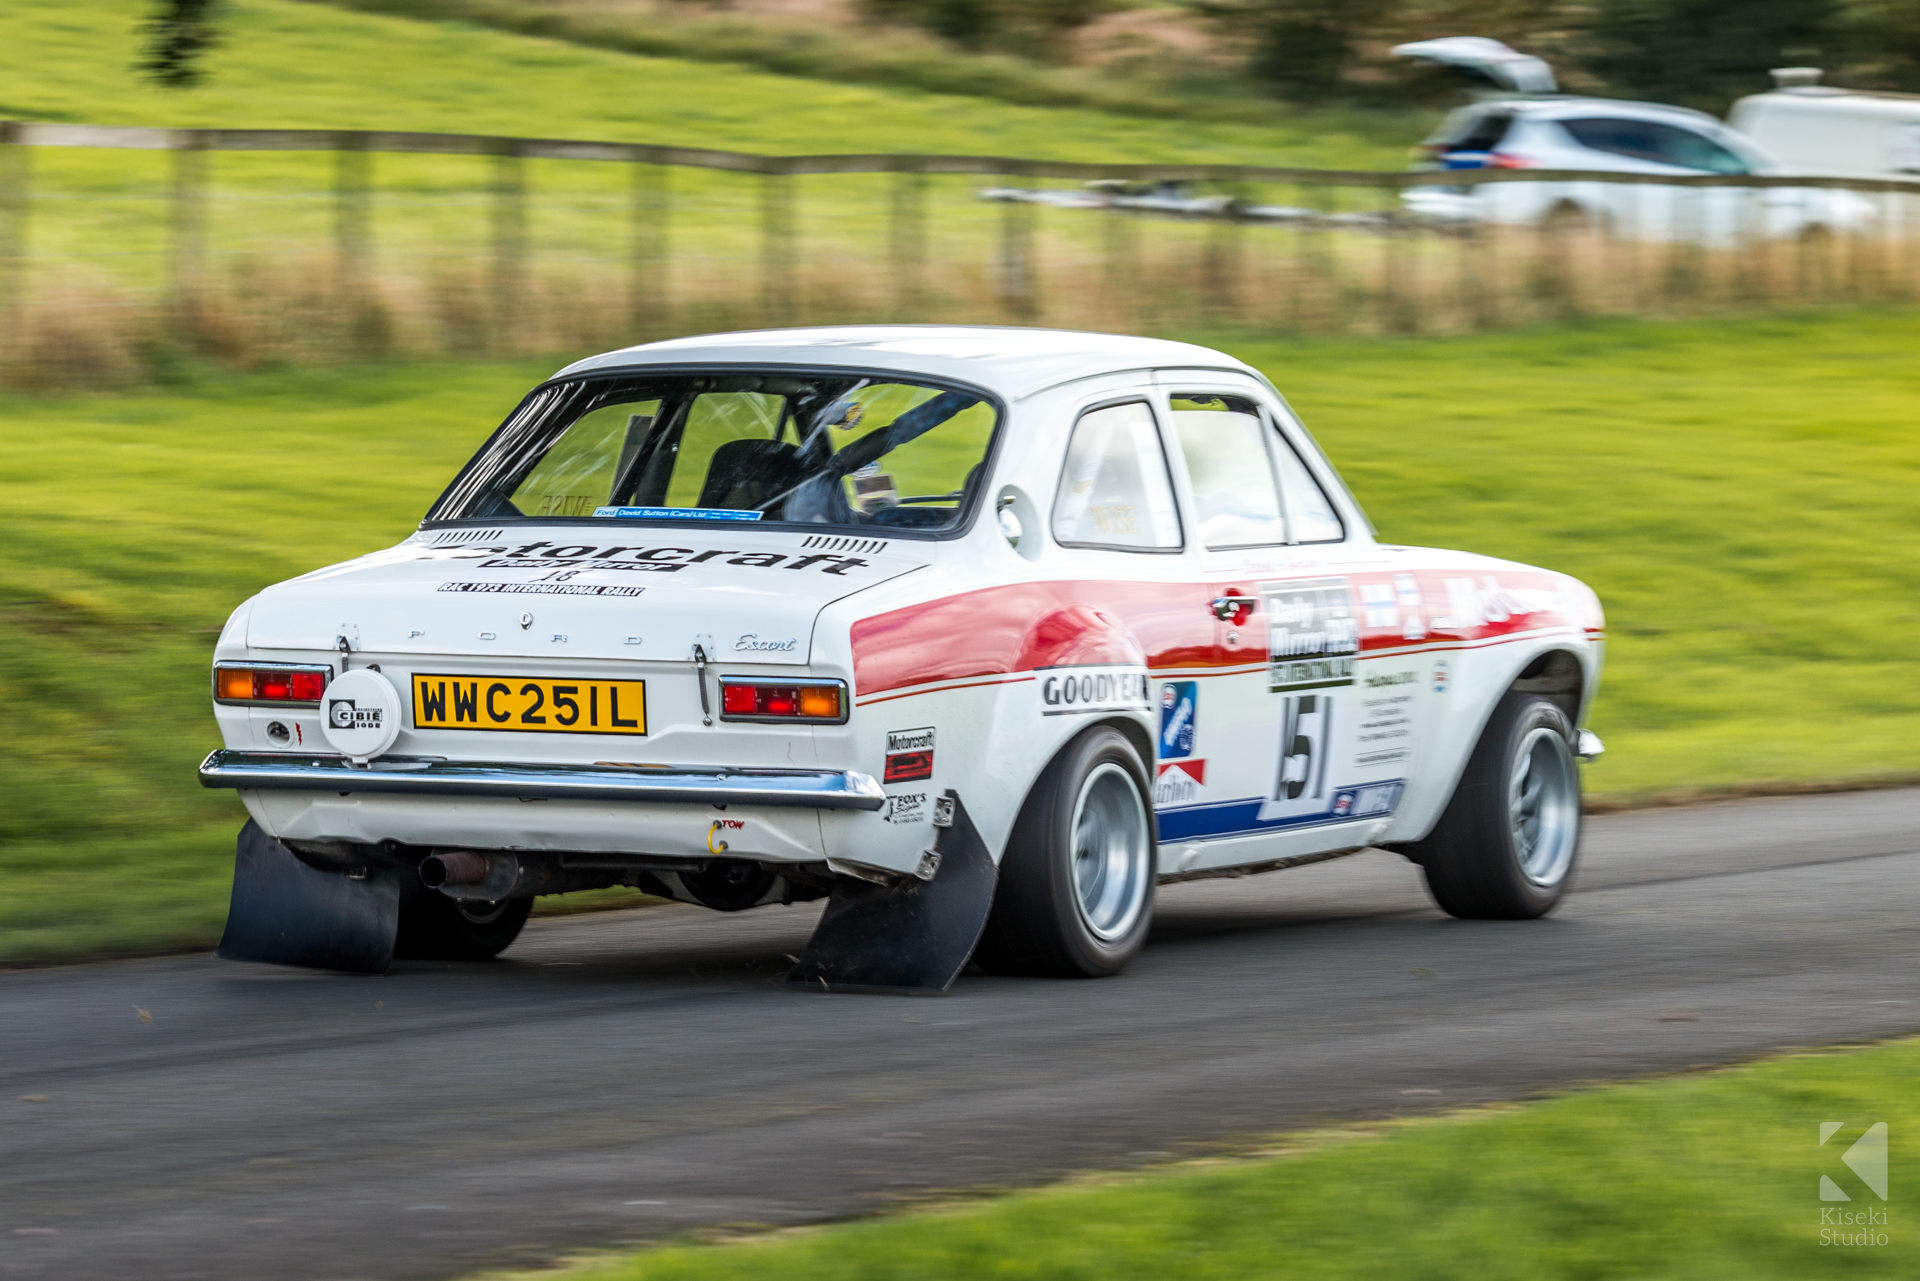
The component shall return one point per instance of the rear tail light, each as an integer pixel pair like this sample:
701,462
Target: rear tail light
818,702
269,684
1507,160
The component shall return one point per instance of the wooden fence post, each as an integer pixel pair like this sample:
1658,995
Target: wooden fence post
1017,293
1221,269
649,306
909,242
189,224
1119,266
16,177
776,247
509,245
352,216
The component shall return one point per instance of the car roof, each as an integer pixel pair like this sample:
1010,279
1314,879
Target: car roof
1559,106
1012,362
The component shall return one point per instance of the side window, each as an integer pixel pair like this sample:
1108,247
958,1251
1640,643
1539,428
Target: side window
1115,491
1235,498
1313,517
1650,140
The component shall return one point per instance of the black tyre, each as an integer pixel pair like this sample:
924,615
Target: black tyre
1506,846
1076,885
434,927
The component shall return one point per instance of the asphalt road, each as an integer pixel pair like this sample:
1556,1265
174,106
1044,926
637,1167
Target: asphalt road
624,1076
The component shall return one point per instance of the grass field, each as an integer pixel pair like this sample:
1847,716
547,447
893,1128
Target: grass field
800,44
1739,493
287,64
1705,1175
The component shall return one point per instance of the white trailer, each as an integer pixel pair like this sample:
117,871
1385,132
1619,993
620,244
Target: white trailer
1824,131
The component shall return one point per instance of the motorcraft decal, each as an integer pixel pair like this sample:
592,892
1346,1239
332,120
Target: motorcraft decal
1313,635
660,560
909,755
545,589
1070,691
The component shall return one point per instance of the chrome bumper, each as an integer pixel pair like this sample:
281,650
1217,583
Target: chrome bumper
434,776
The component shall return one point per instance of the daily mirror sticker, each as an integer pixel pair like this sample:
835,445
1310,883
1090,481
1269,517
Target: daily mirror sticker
1313,634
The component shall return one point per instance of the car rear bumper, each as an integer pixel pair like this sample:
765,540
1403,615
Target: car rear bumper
429,776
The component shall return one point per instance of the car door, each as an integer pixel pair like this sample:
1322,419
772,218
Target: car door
1124,551
1285,736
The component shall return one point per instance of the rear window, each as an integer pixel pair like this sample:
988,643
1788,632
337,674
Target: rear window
1473,131
1650,140
829,449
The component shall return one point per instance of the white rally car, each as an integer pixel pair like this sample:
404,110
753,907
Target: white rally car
978,633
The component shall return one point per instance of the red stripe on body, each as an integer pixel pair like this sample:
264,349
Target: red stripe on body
1028,625
1023,626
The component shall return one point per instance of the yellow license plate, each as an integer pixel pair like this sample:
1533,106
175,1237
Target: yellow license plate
529,704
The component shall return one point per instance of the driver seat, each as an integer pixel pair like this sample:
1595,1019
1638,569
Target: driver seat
745,474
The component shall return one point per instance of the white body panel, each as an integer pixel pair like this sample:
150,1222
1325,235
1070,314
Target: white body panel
989,656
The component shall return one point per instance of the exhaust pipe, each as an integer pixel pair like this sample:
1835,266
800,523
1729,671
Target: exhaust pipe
454,867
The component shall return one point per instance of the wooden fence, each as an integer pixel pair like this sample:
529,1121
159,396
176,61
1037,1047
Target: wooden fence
1284,248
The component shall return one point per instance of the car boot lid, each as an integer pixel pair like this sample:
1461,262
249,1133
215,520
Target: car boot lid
1486,60
573,592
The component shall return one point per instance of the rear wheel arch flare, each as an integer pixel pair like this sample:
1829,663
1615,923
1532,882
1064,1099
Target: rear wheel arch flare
1134,733
1042,921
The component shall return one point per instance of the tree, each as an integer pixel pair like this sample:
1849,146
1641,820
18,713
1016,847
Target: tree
178,33
1884,36
1302,49
1014,26
1705,53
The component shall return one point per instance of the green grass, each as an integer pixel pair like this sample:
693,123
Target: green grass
296,65
878,54
1740,494
1706,1175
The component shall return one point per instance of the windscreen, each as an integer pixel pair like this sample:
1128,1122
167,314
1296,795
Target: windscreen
830,449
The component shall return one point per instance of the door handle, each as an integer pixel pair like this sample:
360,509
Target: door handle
1229,608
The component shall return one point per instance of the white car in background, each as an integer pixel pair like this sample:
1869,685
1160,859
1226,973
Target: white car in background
1543,130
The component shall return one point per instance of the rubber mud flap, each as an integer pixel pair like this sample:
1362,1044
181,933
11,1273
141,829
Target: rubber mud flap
912,938
286,913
